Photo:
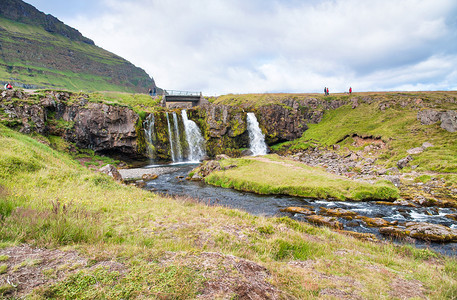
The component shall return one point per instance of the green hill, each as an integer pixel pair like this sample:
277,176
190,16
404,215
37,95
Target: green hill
39,51
84,236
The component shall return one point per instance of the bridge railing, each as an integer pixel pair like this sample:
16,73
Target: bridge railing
181,93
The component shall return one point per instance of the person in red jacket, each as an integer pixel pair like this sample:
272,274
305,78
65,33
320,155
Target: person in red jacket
350,90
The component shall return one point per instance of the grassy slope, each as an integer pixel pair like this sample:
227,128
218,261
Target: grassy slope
256,100
32,72
159,240
138,102
397,126
274,175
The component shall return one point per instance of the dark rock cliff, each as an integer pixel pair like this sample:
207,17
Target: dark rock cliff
115,129
97,126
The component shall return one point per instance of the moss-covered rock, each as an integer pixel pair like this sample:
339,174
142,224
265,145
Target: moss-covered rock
337,212
376,222
331,222
297,210
423,231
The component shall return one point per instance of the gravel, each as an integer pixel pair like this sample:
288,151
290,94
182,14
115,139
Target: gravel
137,173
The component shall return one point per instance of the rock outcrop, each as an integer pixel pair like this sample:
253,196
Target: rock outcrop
100,127
225,126
404,162
423,231
111,170
448,118
288,121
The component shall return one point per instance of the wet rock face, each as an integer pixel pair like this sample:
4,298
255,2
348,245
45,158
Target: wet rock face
224,120
282,124
28,117
101,127
225,126
289,121
95,126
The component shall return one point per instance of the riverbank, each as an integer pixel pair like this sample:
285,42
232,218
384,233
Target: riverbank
273,174
64,227
406,218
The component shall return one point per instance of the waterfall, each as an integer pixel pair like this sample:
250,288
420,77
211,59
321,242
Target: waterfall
170,138
150,135
256,138
194,139
179,156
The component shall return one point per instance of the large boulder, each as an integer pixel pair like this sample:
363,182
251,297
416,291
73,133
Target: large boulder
337,212
331,222
375,222
111,170
417,150
297,210
422,231
449,120
428,116
404,162
205,168
431,232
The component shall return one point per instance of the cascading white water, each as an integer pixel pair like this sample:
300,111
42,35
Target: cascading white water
179,155
150,135
194,139
170,138
256,137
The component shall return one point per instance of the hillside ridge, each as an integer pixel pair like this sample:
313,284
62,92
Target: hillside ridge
22,12
39,51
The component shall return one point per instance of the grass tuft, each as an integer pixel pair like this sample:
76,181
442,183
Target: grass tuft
274,175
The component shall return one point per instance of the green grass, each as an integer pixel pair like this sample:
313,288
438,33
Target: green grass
161,244
60,74
138,102
396,126
274,175
156,281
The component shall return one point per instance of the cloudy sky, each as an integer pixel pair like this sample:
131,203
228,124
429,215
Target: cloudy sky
246,46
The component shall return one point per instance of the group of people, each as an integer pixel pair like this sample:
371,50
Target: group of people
326,93
8,86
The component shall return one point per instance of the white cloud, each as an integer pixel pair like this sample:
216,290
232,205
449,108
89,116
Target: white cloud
236,46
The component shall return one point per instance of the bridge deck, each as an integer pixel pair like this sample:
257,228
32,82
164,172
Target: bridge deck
173,98
182,96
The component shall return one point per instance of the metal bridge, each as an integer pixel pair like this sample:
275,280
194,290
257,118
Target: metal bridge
195,98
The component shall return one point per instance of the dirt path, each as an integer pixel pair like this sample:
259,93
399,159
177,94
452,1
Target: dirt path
137,173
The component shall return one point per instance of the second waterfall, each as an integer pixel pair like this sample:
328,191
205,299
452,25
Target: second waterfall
194,139
256,137
185,142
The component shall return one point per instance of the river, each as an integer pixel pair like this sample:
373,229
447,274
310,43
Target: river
174,184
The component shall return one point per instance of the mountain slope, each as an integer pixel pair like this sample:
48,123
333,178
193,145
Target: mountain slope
39,51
